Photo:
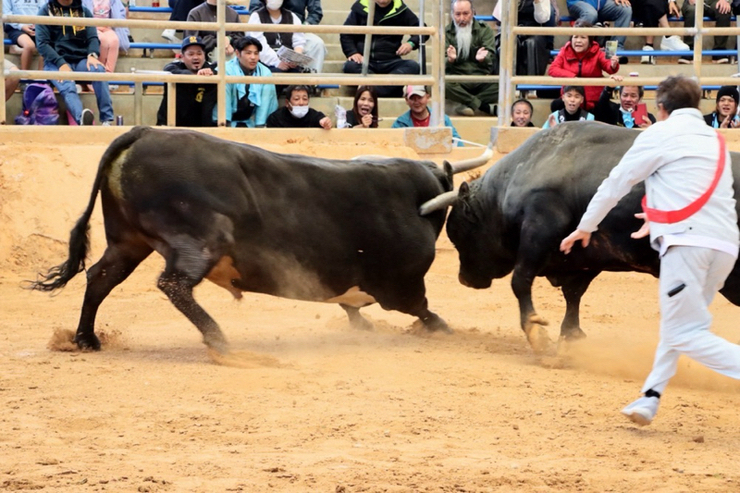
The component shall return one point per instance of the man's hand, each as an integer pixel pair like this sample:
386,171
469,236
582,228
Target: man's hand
204,71
673,9
404,49
571,239
357,58
622,3
451,54
644,229
723,7
325,123
645,123
481,54
64,68
92,62
551,121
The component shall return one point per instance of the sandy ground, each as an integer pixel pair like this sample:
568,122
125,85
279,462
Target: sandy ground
323,407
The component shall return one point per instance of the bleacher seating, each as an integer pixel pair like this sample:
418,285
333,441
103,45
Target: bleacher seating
150,52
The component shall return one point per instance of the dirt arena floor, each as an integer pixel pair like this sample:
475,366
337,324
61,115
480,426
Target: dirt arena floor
318,406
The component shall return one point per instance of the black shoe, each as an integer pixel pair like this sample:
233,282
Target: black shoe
623,60
686,60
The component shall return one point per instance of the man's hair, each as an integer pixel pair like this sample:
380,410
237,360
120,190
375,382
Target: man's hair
582,23
453,2
676,92
297,87
519,101
243,42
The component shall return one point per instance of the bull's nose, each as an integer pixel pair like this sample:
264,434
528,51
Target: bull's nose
462,280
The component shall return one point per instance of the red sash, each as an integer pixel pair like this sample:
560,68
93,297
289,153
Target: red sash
669,217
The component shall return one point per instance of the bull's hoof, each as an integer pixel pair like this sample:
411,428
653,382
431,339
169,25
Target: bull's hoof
538,338
216,342
574,334
435,323
87,341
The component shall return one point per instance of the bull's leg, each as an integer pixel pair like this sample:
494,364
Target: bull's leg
531,323
117,263
431,320
178,286
356,320
573,289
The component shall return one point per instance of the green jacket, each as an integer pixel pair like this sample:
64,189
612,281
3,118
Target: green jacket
482,36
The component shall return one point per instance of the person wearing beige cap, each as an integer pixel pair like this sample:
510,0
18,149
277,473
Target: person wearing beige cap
418,115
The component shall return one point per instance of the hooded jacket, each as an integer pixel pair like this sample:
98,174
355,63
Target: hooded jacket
68,44
384,46
590,63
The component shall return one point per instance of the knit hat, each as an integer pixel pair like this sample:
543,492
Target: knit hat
728,91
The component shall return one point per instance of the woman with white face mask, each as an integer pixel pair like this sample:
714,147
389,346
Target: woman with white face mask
296,113
273,12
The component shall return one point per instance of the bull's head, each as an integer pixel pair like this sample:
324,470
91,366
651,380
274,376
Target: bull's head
448,198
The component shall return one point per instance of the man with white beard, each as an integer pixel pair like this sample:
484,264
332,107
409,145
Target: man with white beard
470,51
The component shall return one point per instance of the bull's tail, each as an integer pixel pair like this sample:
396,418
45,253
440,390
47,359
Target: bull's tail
79,239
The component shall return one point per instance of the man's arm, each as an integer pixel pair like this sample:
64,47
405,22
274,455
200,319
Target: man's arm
350,42
43,43
315,12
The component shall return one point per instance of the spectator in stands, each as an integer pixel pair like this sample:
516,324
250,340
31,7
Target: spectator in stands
206,12
273,12
387,49
725,114
364,112
11,83
470,51
417,98
572,111
297,113
112,39
720,11
248,105
620,114
69,48
194,102
22,36
521,113
654,13
180,11
308,12
619,12
533,13
582,57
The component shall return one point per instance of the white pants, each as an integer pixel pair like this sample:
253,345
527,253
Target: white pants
685,317
315,49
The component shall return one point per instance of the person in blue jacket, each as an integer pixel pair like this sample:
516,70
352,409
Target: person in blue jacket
418,115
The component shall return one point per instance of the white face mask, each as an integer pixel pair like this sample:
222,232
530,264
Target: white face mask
274,4
299,111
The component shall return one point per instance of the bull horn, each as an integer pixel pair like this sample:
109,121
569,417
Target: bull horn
468,164
441,201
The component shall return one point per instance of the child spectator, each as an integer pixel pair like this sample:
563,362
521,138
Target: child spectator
23,35
521,113
418,115
582,57
364,112
69,48
621,114
248,105
296,113
725,114
573,97
111,38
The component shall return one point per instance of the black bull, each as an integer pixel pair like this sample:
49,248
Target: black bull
514,217
252,220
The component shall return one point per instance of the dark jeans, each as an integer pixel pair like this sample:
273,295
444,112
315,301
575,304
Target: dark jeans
394,66
720,20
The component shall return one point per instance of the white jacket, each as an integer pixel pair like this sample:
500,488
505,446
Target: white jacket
677,158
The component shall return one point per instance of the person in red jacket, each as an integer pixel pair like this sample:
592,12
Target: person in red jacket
582,57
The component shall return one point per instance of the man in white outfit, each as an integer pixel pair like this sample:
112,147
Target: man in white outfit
691,219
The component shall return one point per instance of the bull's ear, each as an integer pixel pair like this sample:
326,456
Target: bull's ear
464,192
449,174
